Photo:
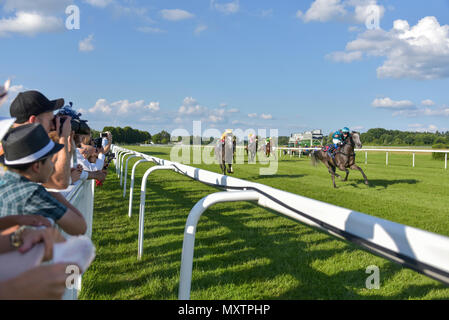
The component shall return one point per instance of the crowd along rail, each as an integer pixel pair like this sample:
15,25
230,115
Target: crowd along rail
420,250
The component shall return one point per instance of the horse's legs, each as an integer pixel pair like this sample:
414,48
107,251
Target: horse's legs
230,170
332,172
356,167
347,174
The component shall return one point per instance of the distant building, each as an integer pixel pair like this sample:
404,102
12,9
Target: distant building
306,139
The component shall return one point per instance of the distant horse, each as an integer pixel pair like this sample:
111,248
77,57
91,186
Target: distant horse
252,149
224,154
268,149
344,158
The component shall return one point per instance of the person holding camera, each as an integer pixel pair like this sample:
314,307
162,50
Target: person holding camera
33,107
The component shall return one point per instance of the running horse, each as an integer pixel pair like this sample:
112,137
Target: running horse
344,158
224,152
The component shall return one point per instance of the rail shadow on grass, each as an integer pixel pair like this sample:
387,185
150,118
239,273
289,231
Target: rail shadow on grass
289,176
384,183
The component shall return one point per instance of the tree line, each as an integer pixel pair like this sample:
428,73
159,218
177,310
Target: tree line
126,135
383,137
376,136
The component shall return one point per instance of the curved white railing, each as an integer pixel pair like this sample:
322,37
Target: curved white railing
423,251
81,196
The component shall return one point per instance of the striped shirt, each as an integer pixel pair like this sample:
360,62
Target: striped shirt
20,196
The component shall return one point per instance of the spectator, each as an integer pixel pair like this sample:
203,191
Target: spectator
33,107
28,151
45,282
85,151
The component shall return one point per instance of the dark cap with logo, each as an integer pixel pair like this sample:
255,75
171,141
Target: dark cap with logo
32,103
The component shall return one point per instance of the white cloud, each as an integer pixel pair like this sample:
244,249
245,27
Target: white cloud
427,102
347,57
418,52
252,115
86,45
199,29
192,110
323,10
388,103
16,89
423,128
101,106
266,116
122,109
30,24
191,107
153,106
175,14
226,8
351,11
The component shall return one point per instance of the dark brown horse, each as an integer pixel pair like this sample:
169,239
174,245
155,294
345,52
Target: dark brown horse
344,158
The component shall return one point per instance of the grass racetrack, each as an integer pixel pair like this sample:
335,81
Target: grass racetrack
243,251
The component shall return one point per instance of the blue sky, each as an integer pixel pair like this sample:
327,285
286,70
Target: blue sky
288,65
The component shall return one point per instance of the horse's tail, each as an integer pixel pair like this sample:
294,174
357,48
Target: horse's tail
315,157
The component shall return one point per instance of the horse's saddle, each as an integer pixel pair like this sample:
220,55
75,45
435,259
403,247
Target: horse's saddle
331,150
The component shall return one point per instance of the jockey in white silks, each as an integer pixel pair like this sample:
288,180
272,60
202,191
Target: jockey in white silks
252,146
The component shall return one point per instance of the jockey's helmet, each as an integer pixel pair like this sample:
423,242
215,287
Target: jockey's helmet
345,130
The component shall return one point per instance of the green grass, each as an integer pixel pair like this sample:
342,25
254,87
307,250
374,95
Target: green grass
243,251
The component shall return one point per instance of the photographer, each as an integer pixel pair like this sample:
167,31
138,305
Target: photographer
33,107
102,147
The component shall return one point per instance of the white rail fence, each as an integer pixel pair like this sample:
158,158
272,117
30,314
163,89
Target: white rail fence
420,250
387,151
81,196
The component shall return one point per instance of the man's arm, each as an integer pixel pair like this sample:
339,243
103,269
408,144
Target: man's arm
72,221
60,179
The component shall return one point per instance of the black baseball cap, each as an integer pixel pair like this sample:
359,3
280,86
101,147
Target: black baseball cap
32,103
27,144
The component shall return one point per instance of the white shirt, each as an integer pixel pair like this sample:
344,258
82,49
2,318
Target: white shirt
87,166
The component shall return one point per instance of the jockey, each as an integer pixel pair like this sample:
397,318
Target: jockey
345,134
337,139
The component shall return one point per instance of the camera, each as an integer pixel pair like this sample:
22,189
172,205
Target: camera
98,142
78,125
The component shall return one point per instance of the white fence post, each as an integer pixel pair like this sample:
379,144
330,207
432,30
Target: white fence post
386,160
188,244
132,185
122,166
445,160
126,174
143,190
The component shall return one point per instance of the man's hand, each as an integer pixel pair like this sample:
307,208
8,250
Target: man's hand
66,127
48,236
101,175
40,283
76,173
